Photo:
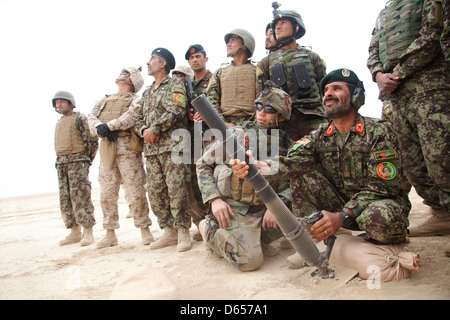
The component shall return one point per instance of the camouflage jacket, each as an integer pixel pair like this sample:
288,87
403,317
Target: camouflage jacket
422,66
162,109
283,56
91,143
125,122
206,165
364,165
200,85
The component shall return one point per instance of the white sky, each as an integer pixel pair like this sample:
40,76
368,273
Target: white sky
81,46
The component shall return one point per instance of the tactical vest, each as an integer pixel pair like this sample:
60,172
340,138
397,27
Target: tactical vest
399,25
242,191
238,90
114,106
68,138
294,71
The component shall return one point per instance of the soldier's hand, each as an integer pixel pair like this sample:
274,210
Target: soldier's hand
269,221
112,135
239,167
222,211
387,82
102,130
198,117
327,226
150,137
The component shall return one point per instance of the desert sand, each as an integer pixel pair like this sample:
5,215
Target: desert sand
34,267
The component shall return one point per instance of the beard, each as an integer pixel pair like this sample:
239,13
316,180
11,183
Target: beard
338,110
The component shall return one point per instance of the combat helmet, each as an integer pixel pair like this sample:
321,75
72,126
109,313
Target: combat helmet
277,98
186,70
63,95
135,76
296,19
247,38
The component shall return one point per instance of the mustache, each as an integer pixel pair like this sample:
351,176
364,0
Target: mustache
332,99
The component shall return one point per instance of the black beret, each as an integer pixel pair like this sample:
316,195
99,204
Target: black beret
166,55
344,75
194,48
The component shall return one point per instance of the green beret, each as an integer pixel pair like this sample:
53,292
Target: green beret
166,55
344,75
194,48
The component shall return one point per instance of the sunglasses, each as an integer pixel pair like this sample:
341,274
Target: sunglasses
267,109
125,73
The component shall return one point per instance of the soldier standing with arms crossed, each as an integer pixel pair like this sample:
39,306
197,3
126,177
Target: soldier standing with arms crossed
75,150
161,111
113,118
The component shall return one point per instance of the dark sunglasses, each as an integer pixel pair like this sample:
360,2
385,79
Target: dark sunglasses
125,73
267,109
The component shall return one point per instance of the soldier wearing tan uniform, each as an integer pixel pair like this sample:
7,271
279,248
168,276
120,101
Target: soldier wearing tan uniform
113,119
75,149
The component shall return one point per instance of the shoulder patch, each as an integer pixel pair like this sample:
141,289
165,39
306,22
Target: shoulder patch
386,171
301,142
178,99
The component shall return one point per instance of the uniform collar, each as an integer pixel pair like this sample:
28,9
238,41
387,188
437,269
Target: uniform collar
358,126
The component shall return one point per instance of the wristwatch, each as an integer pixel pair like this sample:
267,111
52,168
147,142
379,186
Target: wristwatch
347,221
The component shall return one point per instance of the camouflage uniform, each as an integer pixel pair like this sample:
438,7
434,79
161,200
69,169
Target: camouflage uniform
199,212
420,106
307,113
73,178
127,168
240,243
163,110
358,170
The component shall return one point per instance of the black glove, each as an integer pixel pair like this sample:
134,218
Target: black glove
102,130
112,135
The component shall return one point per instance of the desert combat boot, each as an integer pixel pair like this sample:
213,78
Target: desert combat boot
109,240
74,236
88,237
146,235
169,238
184,239
437,225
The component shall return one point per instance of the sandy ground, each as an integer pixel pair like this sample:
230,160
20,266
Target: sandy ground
34,266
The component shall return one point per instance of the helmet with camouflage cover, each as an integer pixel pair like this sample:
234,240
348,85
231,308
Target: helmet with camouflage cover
186,70
63,95
296,19
247,38
276,98
135,77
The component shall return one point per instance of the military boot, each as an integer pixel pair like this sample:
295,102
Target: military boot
295,261
109,240
88,237
146,235
169,238
437,225
74,236
184,239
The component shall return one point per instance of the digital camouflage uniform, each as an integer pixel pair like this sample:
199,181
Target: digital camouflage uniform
76,204
126,166
199,86
359,170
163,110
307,113
245,90
420,111
240,243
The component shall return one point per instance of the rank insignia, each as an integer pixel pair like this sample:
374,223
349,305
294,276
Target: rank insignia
359,127
330,130
302,142
386,171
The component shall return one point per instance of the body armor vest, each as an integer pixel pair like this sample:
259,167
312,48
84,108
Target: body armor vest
242,191
294,72
238,90
114,106
68,138
399,25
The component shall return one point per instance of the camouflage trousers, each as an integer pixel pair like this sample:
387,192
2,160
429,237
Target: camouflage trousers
168,190
384,220
75,200
240,243
422,124
128,171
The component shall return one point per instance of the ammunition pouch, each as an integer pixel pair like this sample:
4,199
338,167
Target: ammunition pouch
302,82
278,76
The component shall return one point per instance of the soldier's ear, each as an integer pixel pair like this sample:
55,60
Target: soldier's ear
280,118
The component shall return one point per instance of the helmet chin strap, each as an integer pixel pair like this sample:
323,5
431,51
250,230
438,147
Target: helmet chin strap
287,41
237,51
